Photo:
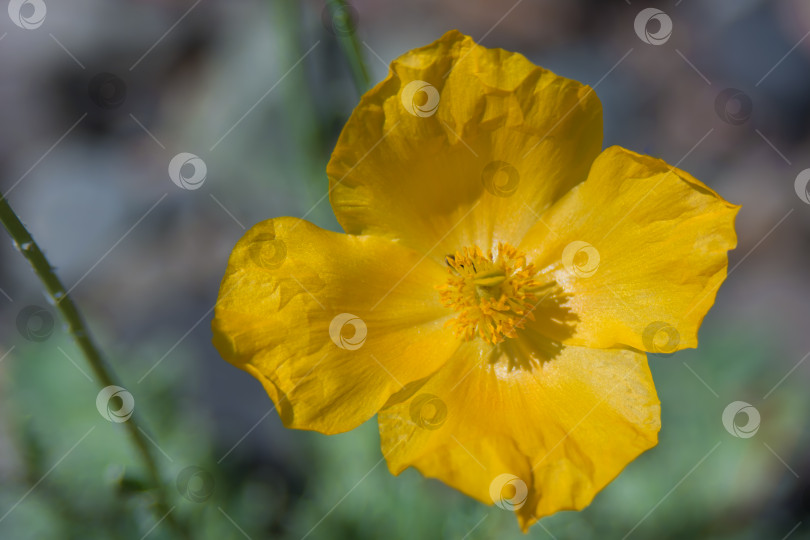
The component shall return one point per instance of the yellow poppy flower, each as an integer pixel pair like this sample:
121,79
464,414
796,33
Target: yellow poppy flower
499,282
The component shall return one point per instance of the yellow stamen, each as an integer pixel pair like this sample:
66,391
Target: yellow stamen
493,295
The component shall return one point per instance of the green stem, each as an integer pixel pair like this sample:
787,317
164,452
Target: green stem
345,31
78,329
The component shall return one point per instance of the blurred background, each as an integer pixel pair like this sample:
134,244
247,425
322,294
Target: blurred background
98,96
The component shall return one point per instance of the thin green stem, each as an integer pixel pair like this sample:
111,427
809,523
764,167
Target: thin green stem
78,329
344,29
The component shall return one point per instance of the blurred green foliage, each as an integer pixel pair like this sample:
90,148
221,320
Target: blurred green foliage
88,485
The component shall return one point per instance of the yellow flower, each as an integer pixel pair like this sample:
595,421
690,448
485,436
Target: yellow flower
499,282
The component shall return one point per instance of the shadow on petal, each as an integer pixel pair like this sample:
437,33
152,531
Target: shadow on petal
542,340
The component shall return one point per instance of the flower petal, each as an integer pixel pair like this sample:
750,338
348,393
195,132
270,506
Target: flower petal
562,429
461,145
317,318
639,250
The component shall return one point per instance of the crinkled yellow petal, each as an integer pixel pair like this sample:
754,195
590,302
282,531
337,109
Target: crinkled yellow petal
315,316
639,250
536,439
461,145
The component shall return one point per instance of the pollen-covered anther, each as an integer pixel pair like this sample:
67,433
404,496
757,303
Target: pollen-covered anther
494,294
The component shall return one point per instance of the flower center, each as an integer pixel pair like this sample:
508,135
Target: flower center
493,294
